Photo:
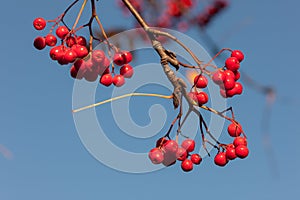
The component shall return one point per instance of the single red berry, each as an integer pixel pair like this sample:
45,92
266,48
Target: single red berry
127,56
51,40
229,74
193,96
234,130
70,56
238,88
229,83
220,159
118,59
81,41
57,52
39,43
90,75
79,64
188,145
211,10
171,146
39,23
218,77
242,151
202,98
237,75
181,154
106,79
200,81
62,31
196,159
230,153
187,165
126,70
161,141
220,4
169,159
106,62
238,54
75,74
232,63
240,141
118,80
70,41
156,155
81,51
98,56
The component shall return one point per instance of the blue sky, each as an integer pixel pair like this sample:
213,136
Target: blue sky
49,161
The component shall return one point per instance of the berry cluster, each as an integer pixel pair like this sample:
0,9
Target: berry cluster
88,65
211,11
236,149
201,82
99,65
168,151
228,76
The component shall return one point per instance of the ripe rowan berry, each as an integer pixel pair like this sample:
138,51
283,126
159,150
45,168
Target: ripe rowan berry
238,54
187,165
200,81
127,71
188,145
242,151
39,43
232,63
156,155
234,130
196,159
220,159
39,23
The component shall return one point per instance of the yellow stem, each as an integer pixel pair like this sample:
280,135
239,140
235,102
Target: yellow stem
121,97
79,15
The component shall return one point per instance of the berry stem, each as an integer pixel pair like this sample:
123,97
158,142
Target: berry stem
121,97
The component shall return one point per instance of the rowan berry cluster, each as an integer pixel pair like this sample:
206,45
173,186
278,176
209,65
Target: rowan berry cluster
228,76
86,64
168,151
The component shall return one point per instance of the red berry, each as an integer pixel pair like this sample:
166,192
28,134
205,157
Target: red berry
118,80
229,83
161,141
232,63
70,56
39,23
118,59
238,88
196,159
200,81
234,130
127,57
187,165
98,56
57,52
220,159
81,51
90,75
156,155
51,40
230,153
74,73
70,41
181,154
171,146
106,62
202,98
219,77
126,70
229,74
237,75
39,43
62,31
169,159
81,41
106,79
188,145
193,96
79,64
240,141
238,54
242,151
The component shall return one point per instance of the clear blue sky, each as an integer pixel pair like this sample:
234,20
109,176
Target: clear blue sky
50,162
